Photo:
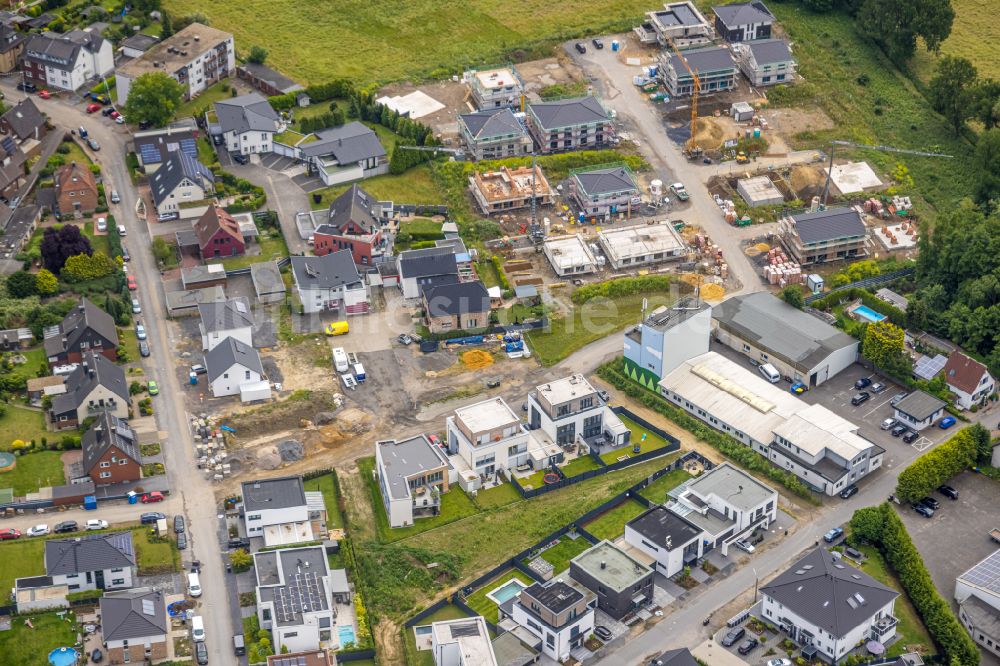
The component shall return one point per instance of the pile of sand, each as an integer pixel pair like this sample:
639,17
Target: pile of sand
805,178
691,279
712,292
476,359
708,134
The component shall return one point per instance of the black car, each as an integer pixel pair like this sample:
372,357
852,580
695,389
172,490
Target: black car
493,382
201,653
910,437
931,502
27,86
860,398
732,636
235,544
144,124
125,255
143,348
849,491
898,430
581,47
96,656
240,158
603,633
150,517
66,526
864,382
182,541
107,111
747,646
948,492
178,524
598,44
218,139
923,510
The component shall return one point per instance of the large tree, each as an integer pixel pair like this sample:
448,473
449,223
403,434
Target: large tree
258,54
883,345
22,284
896,24
153,97
60,244
953,90
986,163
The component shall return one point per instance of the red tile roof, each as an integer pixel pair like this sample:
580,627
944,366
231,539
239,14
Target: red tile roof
214,219
963,372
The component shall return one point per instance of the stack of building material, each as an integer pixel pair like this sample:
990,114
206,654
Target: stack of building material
780,271
902,203
873,206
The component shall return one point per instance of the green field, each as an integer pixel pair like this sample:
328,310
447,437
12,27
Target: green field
560,554
21,423
579,465
498,496
393,41
34,471
611,524
973,34
479,602
30,646
413,187
271,248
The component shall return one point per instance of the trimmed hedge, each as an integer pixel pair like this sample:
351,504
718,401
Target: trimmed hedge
882,527
731,448
498,264
937,466
622,287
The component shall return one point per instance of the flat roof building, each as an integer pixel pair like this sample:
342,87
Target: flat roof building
622,583
412,475
462,642
496,87
665,338
640,245
569,255
759,191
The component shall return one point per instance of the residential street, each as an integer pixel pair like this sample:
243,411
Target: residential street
191,492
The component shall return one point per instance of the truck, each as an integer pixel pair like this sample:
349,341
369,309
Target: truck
340,360
680,192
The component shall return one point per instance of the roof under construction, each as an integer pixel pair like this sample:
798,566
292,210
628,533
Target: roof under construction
512,184
641,241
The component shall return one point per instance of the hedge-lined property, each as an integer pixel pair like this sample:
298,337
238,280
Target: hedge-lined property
882,527
938,465
621,287
613,372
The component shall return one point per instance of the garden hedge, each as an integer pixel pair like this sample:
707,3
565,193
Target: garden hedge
937,466
882,527
895,315
622,287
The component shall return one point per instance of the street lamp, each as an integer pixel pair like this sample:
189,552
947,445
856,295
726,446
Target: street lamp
755,581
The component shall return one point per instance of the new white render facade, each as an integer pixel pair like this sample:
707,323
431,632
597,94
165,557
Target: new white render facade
488,436
560,615
282,511
570,408
667,338
294,597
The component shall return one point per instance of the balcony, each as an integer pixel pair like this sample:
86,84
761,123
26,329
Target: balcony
882,627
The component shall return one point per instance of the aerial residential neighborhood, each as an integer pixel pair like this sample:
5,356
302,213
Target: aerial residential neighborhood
499,334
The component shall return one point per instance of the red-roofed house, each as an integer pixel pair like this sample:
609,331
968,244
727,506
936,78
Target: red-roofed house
353,224
219,234
968,379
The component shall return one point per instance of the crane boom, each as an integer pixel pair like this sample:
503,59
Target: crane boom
694,93
457,152
884,149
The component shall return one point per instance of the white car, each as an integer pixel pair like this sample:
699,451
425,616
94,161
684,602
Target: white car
38,530
744,545
96,524
102,224
888,424
780,662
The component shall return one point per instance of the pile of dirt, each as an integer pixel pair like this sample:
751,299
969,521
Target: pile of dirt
323,418
709,133
291,450
476,359
268,458
691,279
712,292
806,181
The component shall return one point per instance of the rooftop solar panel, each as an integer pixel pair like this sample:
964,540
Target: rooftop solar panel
150,154
190,147
986,574
928,367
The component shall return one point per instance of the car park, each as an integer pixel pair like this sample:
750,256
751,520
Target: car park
151,517
946,422
580,47
898,429
9,534
910,437
899,396
603,633
66,527
150,498
864,382
93,108
178,524
888,424
747,646
860,398
152,387
744,545
732,636
833,534
923,510
38,530
931,502
948,492
878,387
849,492
143,348
97,524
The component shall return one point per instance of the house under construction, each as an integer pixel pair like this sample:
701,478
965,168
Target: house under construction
510,189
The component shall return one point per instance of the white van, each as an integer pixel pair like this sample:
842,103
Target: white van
340,363
197,628
770,373
194,585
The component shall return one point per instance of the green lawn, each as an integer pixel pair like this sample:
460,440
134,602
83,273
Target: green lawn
206,99
130,342
271,248
413,187
21,423
455,505
533,481
26,646
519,312
98,243
34,471
422,225
206,154
498,496
75,153
579,466
416,657
911,630
611,524
155,556
657,490
29,370
651,442
479,602
487,272
587,323
564,551
325,485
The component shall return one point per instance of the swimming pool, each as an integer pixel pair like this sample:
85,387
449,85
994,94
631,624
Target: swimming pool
64,656
346,635
866,312
506,592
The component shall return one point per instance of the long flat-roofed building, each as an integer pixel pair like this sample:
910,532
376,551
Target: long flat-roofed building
569,255
510,189
641,244
622,583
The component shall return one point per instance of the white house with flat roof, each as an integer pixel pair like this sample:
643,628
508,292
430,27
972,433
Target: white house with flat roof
641,245
412,475
569,255
622,583
665,339
282,511
570,408
462,642
977,592
495,88
667,539
295,597
488,436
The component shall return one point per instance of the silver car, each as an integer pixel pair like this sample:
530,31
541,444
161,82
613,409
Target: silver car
136,307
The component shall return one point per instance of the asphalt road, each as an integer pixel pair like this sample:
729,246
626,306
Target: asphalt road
191,492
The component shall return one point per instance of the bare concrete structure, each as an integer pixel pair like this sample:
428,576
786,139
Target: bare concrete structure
510,189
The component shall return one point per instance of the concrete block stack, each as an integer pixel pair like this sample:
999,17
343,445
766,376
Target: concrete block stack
780,271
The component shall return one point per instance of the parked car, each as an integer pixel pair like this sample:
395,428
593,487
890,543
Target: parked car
178,523
93,108
136,306
150,498
849,492
598,44
780,662
143,348
97,524
864,382
798,388
114,197
946,422
493,382
878,387
94,145
910,437
748,646
603,395
38,530
82,131
201,653
889,424
218,139
898,430
236,544
923,510
125,255
899,396
132,286
931,502
66,527
603,633
144,124
733,635
948,492
122,231
580,47
182,541
152,387
150,517
404,339
140,332
744,545
97,656
833,534
115,114
859,398
9,534
240,158
198,369
119,119
27,86
107,111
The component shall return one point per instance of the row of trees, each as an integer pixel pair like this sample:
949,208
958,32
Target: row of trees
962,451
959,94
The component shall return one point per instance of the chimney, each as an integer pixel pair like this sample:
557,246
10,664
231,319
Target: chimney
604,565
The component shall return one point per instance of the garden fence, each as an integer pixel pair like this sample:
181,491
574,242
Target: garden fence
867,282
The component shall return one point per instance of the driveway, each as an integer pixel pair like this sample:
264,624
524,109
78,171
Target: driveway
283,196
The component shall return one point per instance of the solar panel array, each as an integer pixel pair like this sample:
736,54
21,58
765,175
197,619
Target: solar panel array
8,145
150,154
303,593
189,147
928,367
289,661
986,574
464,630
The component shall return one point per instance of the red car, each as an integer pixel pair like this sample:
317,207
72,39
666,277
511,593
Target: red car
132,286
114,114
150,498
44,94
9,533
93,108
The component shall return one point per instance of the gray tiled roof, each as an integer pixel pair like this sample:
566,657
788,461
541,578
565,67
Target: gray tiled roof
427,262
568,112
178,166
708,59
95,370
273,78
457,299
107,432
828,593
24,118
92,552
744,13
679,657
226,316
770,51
133,614
830,224
483,125
350,143
920,405
246,113
139,42
280,493
228,353
85,315
327,272
354,205
605,181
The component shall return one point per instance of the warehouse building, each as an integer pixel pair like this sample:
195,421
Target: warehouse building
768,330
641,244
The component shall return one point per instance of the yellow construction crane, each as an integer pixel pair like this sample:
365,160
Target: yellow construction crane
692,147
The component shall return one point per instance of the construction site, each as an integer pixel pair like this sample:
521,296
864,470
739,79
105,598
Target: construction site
510,189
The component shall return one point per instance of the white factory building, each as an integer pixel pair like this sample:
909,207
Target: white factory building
640,245
570,255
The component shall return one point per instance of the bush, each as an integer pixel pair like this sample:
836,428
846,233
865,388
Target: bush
621,287
85,595
240,560
937,466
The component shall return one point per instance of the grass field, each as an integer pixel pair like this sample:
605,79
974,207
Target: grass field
415,186
21,423
479,602
325,485
611,524
973,35
28,370
560,554
579,466
910,629
207,97
271,247
26,646
392,41
651,442
34,471
657,490
498,496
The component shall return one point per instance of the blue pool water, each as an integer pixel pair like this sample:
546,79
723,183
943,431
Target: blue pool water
866,312
64,656
345,634
507,591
